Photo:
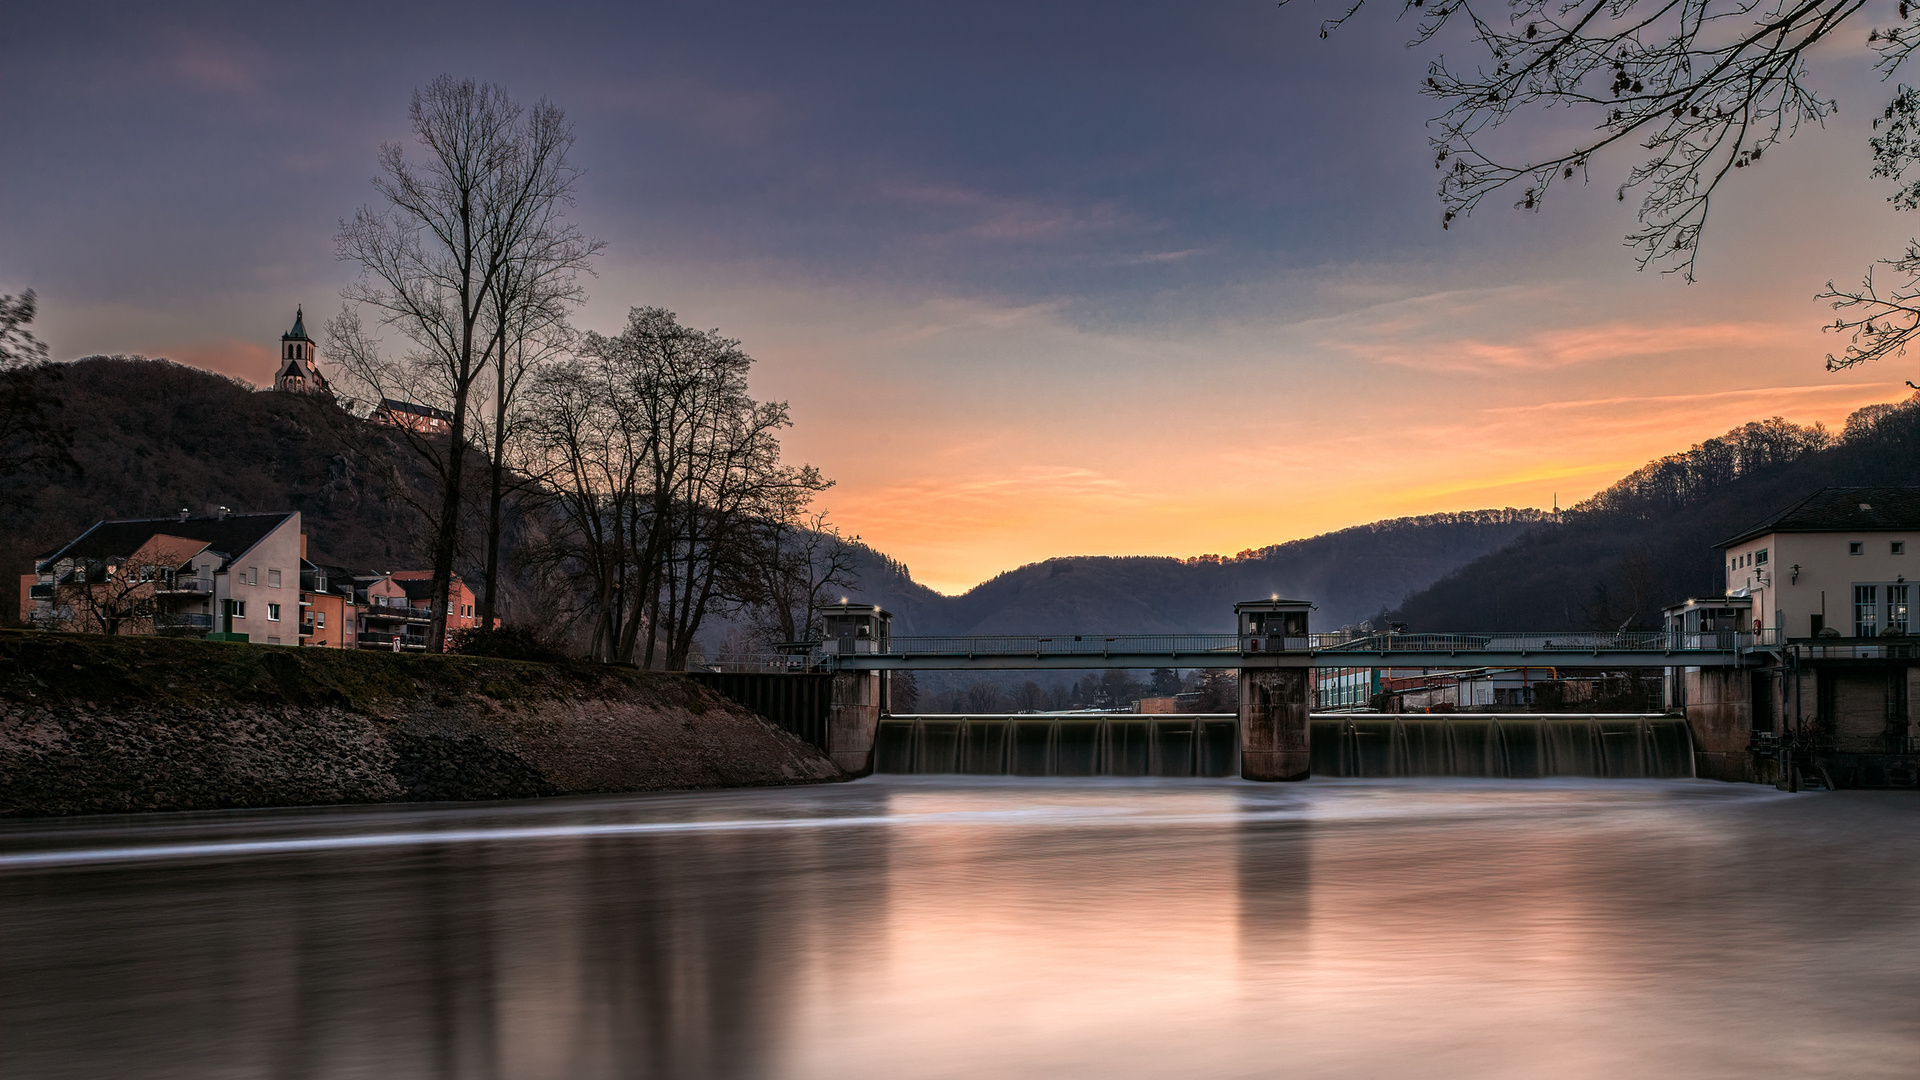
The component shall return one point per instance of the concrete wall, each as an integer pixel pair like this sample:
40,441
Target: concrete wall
1274,713
1720,713
853,720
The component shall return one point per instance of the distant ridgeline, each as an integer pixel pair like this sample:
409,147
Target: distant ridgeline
1649,540
1352,574
154,436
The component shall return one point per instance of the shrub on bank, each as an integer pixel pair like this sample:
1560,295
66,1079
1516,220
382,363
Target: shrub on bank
503,643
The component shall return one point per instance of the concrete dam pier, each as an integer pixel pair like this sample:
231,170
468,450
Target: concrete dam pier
1511,746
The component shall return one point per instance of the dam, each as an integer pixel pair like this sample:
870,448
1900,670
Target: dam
1356,745
833,692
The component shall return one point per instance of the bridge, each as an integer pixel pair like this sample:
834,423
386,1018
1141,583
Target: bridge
1624,649
1274,649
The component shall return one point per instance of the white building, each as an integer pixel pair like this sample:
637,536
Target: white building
252,559
1837,560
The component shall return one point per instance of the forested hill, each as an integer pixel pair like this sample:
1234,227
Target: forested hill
1648,541
1352,574
152,437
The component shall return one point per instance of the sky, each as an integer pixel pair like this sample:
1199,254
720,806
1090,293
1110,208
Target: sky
1037,279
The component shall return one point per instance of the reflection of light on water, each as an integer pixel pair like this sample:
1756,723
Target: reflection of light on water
1041,940
940,927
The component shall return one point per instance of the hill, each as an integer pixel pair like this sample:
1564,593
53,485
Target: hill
1649,540
1352,574
152,436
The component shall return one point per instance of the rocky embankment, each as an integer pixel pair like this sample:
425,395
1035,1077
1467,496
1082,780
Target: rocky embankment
92,724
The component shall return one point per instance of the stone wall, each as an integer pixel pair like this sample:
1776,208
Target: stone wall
92,724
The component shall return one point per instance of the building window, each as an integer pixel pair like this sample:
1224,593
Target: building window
320,619
239,609
1761,557
1896,609
1866,609
1854,547
1898,547
273,579
273,612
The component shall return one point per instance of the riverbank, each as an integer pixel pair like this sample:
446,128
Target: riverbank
94,724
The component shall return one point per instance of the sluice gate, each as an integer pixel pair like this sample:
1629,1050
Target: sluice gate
1519,746
1037,745
1511,746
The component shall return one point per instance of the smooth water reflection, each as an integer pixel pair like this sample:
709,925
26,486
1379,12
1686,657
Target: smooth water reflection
934,927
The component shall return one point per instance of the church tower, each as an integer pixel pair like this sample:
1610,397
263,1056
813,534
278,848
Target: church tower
299,372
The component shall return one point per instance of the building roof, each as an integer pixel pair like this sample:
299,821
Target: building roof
428,411
299,331
1843,510
233,535
418,584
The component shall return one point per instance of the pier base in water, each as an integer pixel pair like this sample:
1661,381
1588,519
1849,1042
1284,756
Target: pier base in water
1274,731
853,720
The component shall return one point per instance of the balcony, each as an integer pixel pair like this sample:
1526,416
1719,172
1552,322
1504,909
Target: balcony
181,620
185,586
398,614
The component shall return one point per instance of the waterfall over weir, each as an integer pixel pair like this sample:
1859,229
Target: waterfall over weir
1515,746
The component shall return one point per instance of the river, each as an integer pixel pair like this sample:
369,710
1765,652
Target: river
908,927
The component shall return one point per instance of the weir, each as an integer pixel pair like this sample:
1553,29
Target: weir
1273,737
1501,746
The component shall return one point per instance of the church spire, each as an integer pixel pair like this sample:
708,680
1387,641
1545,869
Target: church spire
298,371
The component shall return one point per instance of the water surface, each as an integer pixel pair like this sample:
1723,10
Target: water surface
965,927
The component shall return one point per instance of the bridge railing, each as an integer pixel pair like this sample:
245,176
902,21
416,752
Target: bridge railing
1199,650
1662,641
1061,644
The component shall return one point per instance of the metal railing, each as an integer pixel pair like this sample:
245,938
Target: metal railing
1096,645
194,586
182,620
1059,644
1835,744
741,663
1881,648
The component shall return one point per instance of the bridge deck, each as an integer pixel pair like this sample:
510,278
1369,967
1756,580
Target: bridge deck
1501,649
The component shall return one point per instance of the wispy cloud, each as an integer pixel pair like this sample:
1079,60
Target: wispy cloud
1839,392
219,66
994,216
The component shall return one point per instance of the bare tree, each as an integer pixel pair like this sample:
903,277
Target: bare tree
593,462
433,256
541,256
1701,87
108,596
662,470
18,346
798,563
32,433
